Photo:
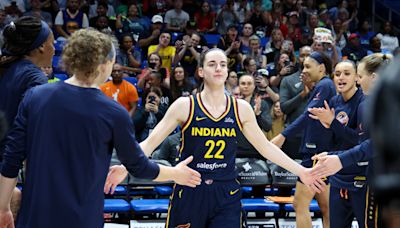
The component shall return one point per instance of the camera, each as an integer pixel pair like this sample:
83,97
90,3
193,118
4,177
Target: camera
152,99
287,63
152,65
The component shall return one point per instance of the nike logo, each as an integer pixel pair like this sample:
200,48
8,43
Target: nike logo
234,192
200,118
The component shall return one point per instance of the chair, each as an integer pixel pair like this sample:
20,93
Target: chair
212,39
116,206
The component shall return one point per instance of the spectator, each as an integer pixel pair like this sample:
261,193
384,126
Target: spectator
155,79
258,18
231,44
37,12
151,38
188,54
70,19
180,85
120,90
256,52
48,71
249,66
2,25
205,19
242,9
20,4
284,67
127,56
388,37
273,48
148,115
364,33
156,7
353,49
247,32
169,149
154,64
375,46
176,18
164,50
278,121
13,12
102,11
294,30
132,24
226,17
94,9
231,82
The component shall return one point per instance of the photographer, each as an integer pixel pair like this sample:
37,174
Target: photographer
148,115
263,87
284,66
154,64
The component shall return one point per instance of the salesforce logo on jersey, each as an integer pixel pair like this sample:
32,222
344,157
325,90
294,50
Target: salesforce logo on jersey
252,171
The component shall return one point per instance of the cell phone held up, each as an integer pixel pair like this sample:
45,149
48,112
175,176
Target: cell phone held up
152,65
152,99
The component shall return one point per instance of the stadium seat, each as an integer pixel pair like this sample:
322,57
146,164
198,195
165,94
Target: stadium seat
163,190
259,205
264,41
58,45
120,190
313,207
212,39
150,205
62,77
116,205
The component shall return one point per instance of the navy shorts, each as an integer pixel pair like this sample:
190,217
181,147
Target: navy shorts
211,204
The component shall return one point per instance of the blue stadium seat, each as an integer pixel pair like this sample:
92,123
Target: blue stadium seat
259,205
163,190
313,206
212,39
120,190
150,205
58,45
116,205
62,77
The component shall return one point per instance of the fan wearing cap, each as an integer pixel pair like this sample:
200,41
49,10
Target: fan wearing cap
176,18
148,38
353,49
28,46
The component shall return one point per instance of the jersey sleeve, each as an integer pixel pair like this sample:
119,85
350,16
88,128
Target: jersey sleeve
128,150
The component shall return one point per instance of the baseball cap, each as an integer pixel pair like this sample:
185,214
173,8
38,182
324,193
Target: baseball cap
263,72
293,13
353,36
157,19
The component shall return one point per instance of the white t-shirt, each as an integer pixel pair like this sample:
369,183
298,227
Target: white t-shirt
388,42
174,19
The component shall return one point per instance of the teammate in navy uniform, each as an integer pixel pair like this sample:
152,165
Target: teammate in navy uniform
343,159
210,122
66,132
348,187
316,138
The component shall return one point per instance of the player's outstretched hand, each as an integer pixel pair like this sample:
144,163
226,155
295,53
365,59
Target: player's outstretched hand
314,182
327,165
278,140
116,175
185,175
6,219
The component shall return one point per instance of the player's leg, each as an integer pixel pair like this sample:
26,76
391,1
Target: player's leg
371,210
340,213
323,203
188,208
301,204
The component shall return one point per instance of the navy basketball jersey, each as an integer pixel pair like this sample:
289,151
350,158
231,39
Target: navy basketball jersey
211,141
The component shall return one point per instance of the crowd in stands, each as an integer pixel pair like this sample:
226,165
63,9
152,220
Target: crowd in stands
159,43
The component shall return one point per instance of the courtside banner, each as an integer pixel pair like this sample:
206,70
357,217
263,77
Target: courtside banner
252,171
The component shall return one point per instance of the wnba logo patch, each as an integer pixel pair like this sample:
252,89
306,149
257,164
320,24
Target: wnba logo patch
187,225
343,118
